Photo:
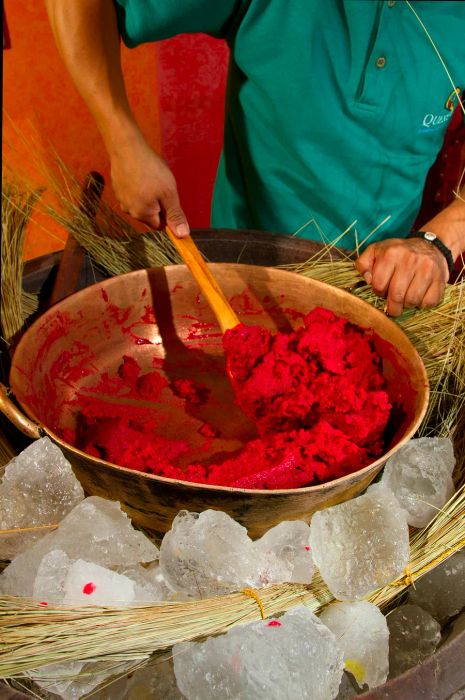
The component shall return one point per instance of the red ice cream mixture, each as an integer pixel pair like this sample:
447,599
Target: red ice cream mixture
193,392
325,372
316,395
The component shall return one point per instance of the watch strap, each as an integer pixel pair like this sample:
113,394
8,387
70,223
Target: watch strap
434,240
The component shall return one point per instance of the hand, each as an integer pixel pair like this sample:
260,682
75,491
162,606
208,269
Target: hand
145,187
408,272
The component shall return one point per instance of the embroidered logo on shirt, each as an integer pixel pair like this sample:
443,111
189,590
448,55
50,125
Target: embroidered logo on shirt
453,99
433,122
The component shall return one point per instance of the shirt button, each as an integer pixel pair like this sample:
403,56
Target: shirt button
391,3
380,62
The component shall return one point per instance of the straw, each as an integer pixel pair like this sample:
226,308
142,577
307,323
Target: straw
15,304
7,452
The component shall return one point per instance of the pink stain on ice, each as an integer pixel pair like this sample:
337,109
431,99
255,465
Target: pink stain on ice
89,588
274,623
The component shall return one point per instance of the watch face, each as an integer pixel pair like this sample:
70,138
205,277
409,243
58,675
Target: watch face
429,236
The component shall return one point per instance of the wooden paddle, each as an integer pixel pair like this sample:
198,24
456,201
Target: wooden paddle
214,295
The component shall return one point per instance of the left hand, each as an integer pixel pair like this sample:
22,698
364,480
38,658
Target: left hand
408,272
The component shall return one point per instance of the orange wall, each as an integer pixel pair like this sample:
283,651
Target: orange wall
41,103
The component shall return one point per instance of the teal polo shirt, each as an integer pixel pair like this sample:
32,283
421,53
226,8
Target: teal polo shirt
335,109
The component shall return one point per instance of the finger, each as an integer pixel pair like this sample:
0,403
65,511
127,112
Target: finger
364,264
433,294
152,216
429,281
398,287
382,273
417,289
181,229
175,217
153,220
148,213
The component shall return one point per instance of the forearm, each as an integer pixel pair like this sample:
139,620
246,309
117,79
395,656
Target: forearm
87,38
449,225
86,33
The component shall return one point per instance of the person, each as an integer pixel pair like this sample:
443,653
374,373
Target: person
335,112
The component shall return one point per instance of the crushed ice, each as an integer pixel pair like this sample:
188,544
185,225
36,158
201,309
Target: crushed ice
96,557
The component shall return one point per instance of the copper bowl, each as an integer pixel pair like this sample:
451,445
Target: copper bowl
98,325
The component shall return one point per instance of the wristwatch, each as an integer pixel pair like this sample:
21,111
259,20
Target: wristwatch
434,240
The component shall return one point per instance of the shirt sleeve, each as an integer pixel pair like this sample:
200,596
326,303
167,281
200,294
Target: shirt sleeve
141,21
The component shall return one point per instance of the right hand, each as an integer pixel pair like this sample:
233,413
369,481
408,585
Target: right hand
145,187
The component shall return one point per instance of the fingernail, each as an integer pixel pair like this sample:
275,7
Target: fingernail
182,230
368,277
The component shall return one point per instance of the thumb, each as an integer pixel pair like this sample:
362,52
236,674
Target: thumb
175,217
364,264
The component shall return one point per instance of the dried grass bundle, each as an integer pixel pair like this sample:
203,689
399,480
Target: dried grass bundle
16,305
7,452
110,240
33,636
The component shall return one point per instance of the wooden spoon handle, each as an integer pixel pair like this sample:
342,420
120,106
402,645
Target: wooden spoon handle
212,291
